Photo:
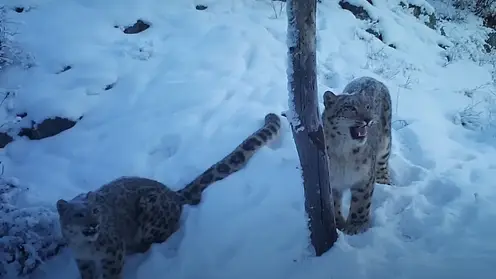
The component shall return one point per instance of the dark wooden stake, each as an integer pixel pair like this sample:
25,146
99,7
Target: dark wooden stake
306,125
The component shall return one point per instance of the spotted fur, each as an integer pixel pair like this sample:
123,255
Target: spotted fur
357,129
127,215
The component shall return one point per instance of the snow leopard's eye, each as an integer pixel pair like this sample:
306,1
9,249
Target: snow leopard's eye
79,215
367,107
95,211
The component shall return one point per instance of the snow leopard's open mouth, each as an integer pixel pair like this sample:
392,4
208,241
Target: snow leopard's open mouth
358,132
90,231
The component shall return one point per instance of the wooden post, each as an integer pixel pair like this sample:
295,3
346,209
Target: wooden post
304,117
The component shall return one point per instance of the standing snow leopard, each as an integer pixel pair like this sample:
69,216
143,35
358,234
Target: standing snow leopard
357,129
127,215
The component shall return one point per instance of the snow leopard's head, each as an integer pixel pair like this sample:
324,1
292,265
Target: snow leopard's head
80,219
347,117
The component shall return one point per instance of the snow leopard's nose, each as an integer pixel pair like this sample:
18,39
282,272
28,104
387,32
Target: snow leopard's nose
367,121
93,225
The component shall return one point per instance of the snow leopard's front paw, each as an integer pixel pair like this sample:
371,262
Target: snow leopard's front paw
340,221
386,180
356,227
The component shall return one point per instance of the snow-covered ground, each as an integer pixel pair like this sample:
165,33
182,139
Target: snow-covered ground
192,86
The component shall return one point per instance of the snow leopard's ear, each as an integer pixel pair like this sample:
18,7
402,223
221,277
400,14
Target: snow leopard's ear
329,98
62,206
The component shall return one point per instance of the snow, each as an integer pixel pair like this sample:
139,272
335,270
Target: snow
192,86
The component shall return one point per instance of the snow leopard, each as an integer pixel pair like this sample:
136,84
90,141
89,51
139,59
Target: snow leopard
127,215
357,132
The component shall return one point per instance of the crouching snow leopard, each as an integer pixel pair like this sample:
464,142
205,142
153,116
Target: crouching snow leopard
127,215
357,129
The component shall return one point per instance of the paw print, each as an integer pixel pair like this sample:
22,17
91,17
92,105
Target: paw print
138,50
141,52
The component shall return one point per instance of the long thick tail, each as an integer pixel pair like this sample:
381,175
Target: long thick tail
236,160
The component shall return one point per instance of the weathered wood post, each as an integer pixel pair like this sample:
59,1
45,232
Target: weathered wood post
304,117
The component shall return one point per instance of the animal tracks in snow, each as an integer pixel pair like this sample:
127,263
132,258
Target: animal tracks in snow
167,148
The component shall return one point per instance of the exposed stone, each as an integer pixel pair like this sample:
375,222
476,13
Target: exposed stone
418,11
48,128
22,114
138,27
442,46
448,57
65,69
490,21
357,11
109,86
487,48
5,139
442,31
490,42
201,7
376,33
19,9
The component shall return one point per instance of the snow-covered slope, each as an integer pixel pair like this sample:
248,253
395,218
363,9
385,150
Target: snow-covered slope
184,92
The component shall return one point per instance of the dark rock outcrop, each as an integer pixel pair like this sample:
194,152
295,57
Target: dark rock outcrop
357,11
418,11
490,21
65,69
48,128
5,139
374,32
490,42
138,27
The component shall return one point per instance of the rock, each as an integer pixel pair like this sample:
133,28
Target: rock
443,46
65,69
5,139
442,31
48,128
490,21
19,9
376,33
448,58
487,48
110,86
490,42
22,114
138,27
357,11
201,7
418,11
